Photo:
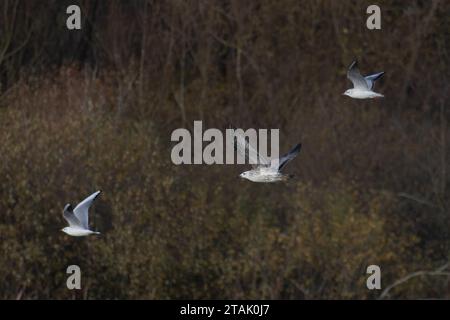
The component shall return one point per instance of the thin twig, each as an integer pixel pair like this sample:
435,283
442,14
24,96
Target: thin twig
438,272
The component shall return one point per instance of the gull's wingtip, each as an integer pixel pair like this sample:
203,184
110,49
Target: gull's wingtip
96,193
297,148
353,64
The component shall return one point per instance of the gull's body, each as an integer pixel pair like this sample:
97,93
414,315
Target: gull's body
362,86
263,174
362,94
78,218
78,232
266,170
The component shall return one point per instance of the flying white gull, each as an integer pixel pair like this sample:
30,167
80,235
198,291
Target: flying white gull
265,170
78,218
362,86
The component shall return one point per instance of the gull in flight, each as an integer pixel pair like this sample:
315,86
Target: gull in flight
362,86
78,218
265,170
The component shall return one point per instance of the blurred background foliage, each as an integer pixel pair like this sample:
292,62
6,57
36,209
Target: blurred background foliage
94,109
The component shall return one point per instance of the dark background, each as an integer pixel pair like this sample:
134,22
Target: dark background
94,109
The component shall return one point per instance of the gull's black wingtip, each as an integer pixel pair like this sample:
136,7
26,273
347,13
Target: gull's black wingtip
296,150
98,192
298,147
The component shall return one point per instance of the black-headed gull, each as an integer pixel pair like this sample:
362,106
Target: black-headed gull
265,170
362,86
78,218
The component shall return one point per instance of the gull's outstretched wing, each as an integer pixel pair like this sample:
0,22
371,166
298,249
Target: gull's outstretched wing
70,217
356,78
246,149
286,158
81,211
370,80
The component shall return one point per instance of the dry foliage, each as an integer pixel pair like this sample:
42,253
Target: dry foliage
94,109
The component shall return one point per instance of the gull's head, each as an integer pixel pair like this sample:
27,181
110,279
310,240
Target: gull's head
66,229
244,175
347,92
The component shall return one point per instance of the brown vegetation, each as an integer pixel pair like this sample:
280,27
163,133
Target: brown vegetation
94,109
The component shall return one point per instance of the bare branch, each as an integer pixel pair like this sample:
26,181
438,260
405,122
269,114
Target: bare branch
438,272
